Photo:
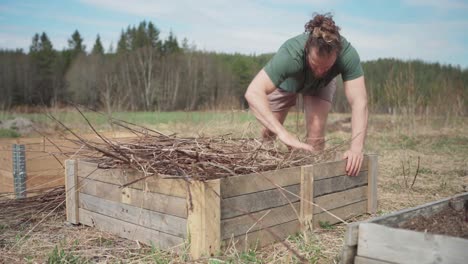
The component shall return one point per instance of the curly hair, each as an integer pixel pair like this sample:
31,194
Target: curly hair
323,34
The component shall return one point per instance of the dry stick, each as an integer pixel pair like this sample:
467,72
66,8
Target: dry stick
89,145
115,120
55,208
55,145
102,137
416,173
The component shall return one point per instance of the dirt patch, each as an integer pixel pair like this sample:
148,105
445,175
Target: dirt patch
449,222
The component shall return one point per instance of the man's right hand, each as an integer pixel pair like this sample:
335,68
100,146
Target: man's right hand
293,142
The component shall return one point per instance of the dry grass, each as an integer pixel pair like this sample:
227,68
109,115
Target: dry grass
442,152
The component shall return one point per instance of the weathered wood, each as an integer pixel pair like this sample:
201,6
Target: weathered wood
264,236
339,183
349,248
395,219
254,202
130,231
71,189
307,198
372,184
457,204
363,260
243,224
344,213
120,177
204,218
340,199
334,168
244,184
162,222
404,246
348,254
152,201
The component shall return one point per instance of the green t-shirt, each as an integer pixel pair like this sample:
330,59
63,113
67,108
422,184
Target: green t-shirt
289,71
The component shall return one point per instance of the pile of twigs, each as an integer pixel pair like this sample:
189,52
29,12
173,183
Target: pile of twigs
25,211
200,158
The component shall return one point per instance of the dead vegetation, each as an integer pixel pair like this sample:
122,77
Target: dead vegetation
427,165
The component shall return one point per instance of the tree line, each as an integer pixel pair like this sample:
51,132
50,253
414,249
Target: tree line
147,73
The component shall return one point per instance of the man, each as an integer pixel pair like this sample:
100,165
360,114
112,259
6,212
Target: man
308,64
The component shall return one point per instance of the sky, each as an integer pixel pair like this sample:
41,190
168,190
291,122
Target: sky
428,30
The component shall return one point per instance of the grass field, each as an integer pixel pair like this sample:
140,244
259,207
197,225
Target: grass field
439,145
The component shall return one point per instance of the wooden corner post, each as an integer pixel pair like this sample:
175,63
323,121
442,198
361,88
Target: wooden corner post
204,218
307,197
71,190
372,184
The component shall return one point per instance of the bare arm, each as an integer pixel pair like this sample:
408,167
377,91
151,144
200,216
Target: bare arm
256,96
356,94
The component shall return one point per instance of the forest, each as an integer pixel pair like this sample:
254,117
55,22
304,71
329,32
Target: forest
144,72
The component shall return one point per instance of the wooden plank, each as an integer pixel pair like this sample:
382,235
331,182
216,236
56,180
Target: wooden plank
404,246
169,224
254,202
363,260
130,231
243,224
327,170
340,199
348,255
344,213
307,198
171,187
250,183
372,183
340,183
71,188
349,249
399,218
204,218
152,201
264,236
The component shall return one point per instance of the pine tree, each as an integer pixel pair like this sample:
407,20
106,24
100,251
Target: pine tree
75,43
171,45
153,36
42,58
122,45
98,49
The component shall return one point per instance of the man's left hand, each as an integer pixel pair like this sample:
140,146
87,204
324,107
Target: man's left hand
354,162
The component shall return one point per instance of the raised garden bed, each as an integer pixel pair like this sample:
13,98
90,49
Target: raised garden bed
436,232
245,210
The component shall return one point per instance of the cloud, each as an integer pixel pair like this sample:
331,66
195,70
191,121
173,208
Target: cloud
256,26
219,25
437,4
429,41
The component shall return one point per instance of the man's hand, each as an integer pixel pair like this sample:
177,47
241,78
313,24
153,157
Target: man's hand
354,163
293,142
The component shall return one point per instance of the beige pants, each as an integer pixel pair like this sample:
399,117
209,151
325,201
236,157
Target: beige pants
281,100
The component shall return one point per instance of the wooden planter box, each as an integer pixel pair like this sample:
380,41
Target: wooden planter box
255,209
381,240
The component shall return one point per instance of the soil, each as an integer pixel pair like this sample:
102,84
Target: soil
447,222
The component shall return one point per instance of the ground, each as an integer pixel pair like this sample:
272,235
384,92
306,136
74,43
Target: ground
421,159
